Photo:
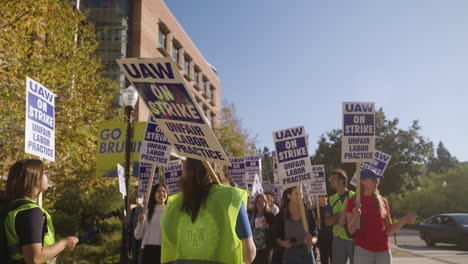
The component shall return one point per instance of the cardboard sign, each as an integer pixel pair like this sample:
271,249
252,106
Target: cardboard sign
253,166
267,186
111,147
277,194
237,171
40,121
143,177
358,136
162,88
173,175
378,165
294,164
318,185
155,148
121,173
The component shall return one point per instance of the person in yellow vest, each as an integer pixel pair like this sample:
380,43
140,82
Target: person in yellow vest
206,222
29,230
342,247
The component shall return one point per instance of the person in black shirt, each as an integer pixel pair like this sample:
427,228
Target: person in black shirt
325,234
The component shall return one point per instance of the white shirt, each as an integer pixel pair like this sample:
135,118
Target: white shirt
150,231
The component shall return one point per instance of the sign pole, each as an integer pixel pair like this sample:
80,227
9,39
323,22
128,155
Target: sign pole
305,224
358,192
211,172
318,212
149,187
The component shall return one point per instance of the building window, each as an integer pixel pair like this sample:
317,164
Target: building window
212,93
163,31
204,85
196,76
187,60
176,50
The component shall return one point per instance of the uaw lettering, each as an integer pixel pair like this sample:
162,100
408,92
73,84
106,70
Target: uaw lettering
294,165
40,120
358,141
155,149
253,167
318,185
173,175
237,171
162,88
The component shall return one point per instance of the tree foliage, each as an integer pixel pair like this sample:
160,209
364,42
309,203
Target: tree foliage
37,39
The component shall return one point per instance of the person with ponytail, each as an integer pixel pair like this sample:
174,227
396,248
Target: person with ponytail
148,228
371,238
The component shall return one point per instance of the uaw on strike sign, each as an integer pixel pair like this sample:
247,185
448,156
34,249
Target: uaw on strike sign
294,166
161,86
358,141
40,121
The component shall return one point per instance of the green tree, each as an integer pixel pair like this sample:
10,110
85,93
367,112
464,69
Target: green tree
443,161
409,151
267,165
235,140
37,39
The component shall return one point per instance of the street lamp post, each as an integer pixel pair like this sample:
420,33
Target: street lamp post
130,98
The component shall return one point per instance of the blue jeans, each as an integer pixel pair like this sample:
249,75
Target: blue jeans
298,255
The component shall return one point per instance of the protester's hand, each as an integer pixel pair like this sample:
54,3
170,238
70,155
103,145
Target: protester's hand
70,242
310,240
141,218
356,212
285,243
409,218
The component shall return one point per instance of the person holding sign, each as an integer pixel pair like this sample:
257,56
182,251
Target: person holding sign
206,222
289,233
371,239
29,229
148,227
342,248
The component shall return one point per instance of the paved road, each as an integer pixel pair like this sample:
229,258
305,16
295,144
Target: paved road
411,249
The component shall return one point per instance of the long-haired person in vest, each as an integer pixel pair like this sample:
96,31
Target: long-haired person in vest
148,228
29,230
371,239
288,230
206,222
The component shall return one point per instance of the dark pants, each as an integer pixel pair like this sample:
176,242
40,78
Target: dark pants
262,256
136,248
325,244
298,255
151,254
277,257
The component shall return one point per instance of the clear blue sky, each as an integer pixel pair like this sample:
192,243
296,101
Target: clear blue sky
289,63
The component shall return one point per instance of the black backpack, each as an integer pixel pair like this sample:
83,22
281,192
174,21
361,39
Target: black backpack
6,207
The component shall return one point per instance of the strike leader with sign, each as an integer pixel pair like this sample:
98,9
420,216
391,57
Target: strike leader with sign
294,166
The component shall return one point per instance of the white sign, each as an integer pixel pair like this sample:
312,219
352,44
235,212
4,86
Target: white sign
121,173
275,168
358,136
378,165
257,187
40,121
237,171
162,88
253,167
318,186
173,175
155,148
294,164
